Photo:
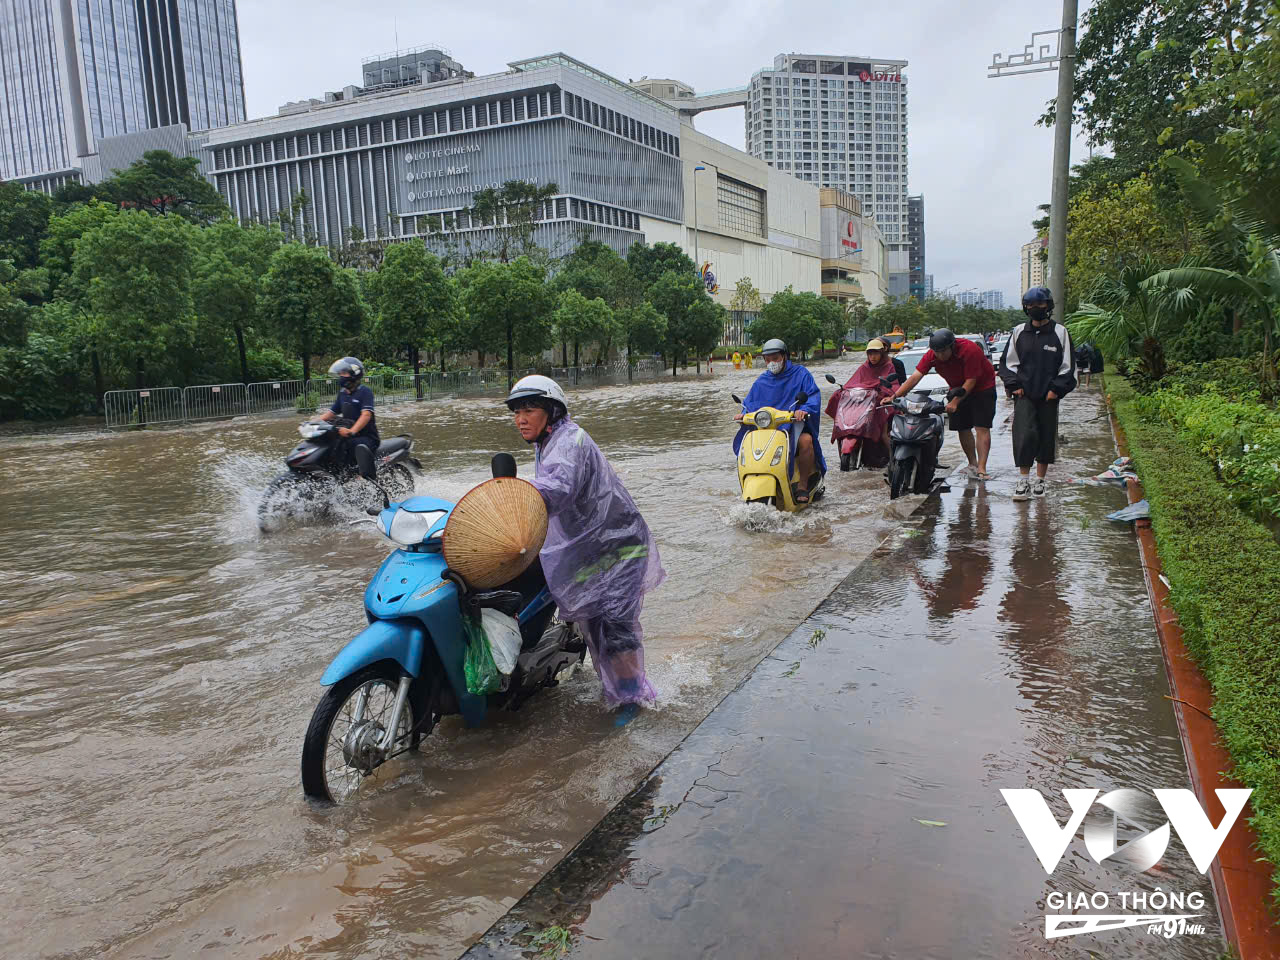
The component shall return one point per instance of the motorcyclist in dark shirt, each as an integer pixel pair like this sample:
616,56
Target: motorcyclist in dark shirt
355,403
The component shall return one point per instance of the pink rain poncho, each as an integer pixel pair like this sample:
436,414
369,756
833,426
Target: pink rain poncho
855,407
599,557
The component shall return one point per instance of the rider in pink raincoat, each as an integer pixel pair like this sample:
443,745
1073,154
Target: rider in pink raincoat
599,557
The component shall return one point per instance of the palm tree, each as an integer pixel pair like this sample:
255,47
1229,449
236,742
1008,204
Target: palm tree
1245,232
1129,314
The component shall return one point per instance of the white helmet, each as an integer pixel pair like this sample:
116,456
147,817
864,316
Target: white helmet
537,386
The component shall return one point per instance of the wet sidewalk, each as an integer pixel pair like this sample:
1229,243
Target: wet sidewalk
844,800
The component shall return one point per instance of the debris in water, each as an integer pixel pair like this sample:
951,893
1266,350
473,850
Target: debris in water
791,670
817,638
932,823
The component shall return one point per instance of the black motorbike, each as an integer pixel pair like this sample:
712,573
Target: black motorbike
322,462
915,439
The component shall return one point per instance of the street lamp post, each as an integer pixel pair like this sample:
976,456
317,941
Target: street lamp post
1037,57
695,214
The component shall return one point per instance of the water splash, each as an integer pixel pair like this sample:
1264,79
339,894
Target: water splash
763,518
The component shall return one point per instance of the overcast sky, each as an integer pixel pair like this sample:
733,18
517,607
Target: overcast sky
975,152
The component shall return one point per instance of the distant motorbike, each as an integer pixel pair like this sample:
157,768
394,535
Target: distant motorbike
766,457
390,685
320,464
915,439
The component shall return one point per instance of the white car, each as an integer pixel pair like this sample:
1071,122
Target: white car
997,349
932,381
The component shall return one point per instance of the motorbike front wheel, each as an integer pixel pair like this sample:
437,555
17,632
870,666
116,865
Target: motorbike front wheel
397,480
900,477
289,496
340,751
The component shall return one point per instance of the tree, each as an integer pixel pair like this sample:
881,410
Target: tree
745,296
1134,58
24,221
1130,315
906,316
579,320
512,211
794,317
1120,225
306,301
672,294
511,303
939,312
413,302
856,310
134,275
831,321
58,247
648,263
703,327
230,263
162,183
642,328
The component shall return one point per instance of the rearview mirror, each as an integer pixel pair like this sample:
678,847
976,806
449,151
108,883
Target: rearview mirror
801,397
503,465
830,378
736,399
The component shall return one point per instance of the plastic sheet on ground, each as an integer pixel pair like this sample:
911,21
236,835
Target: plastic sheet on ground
1134,511
1116,475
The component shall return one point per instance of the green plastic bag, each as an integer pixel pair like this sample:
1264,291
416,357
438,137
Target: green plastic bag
481,672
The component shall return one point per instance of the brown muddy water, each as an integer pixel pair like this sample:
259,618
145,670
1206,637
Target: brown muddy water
159,663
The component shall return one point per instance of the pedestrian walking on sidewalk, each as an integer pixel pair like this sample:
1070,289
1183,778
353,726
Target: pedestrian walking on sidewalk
1038,368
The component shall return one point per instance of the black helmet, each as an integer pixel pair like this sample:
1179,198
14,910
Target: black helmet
348,370
942,339
1037,295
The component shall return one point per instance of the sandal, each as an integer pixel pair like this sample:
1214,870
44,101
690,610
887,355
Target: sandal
802,496
982,476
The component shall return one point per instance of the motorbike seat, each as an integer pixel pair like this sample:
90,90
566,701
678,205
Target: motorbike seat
509,602
388,447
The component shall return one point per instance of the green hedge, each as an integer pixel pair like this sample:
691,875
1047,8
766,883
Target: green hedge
1224,571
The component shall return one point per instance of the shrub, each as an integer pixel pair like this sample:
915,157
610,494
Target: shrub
1224,572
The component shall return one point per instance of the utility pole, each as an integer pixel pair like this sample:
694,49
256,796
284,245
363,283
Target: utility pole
1036,57
696,168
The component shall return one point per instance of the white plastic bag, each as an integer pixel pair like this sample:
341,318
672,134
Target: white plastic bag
504,638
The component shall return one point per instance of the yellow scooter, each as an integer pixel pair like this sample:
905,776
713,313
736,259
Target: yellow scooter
765,471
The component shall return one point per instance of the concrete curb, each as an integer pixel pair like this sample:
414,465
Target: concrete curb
1241,880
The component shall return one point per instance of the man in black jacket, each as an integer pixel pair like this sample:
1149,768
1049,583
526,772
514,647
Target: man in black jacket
1038,369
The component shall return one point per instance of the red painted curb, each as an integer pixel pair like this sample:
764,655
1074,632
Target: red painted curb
1241,881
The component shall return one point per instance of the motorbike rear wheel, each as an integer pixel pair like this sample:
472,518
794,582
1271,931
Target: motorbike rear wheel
900,477
337,752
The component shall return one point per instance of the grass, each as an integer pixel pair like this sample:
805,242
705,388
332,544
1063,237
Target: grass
553,942
817,637
1224,570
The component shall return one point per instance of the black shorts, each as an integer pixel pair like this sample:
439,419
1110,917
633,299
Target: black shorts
976,410
1035,431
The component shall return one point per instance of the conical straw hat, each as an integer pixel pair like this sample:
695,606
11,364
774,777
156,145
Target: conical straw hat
495,531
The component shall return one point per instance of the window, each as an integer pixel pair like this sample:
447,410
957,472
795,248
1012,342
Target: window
740,206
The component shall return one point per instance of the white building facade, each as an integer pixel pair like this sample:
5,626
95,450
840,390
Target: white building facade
838,121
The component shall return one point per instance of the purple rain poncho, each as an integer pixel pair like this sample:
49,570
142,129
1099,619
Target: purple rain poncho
599,557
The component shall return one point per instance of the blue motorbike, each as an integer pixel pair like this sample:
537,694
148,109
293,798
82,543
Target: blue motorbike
391,684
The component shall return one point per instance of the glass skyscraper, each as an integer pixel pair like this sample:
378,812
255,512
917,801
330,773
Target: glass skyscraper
75,71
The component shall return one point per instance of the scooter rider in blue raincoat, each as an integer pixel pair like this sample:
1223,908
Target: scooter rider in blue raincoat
779,385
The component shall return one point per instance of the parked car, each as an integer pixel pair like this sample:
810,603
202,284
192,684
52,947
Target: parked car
932,381
997,348
921,343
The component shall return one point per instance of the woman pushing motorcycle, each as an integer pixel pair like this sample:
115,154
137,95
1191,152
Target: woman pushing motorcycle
599,557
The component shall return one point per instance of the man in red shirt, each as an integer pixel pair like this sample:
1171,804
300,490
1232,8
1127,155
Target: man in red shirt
962,363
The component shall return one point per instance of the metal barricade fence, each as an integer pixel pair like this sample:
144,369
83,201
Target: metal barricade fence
135,408
275,396
215,401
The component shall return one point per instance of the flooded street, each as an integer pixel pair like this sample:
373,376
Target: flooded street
845,801
160,659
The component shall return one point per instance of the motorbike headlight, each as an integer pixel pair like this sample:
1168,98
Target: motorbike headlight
309,431
409,529
915,406
764,419
777,457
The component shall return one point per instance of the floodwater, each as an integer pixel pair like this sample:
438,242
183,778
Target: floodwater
845,800
160,659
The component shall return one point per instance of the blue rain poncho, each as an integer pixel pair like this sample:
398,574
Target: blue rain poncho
599,557
780,390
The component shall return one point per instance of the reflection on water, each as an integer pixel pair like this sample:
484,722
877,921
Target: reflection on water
160,659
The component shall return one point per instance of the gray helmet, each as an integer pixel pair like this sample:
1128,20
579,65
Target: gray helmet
942,339
348,370
775,346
